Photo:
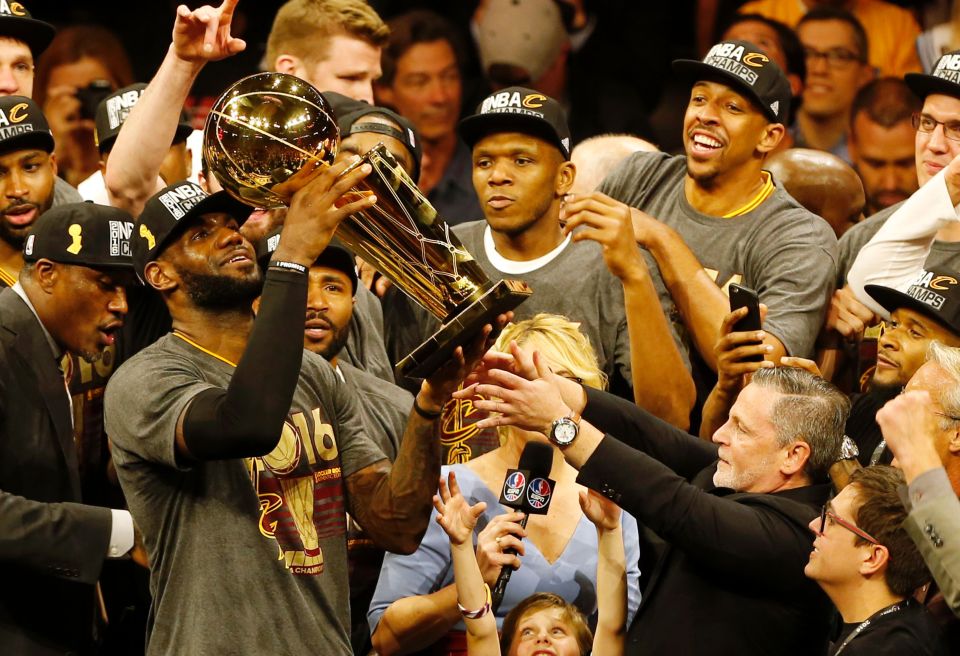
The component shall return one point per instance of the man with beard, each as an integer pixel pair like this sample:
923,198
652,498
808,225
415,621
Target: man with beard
69,298
384,407
238,451
714,216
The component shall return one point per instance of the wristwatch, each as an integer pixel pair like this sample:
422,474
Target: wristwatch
564,431
848,449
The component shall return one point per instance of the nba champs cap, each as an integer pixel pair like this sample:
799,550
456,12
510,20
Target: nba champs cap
86,234
743,66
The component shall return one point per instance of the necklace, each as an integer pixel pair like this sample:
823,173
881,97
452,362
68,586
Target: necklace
893,608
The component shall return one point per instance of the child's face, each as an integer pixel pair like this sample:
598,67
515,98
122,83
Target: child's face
544,632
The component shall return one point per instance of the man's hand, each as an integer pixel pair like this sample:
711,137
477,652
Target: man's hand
454,514
314,213
440,386
607,222
503,532
373,279
733,347
910,425
848,316
203,34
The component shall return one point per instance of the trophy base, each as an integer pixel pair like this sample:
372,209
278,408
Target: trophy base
462,328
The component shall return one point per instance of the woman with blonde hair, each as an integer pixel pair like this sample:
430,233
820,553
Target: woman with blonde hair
415,604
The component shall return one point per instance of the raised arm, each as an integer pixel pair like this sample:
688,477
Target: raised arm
611,573
199,36
473,595
661,382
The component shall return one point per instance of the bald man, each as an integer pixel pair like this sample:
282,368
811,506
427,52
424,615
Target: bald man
597,156
823,183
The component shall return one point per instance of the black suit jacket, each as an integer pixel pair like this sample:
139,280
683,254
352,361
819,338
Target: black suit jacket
51,546
724,570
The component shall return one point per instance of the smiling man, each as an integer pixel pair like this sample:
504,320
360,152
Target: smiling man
714,216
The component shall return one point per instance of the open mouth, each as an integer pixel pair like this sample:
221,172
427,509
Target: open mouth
108,334
703,143
317,329
21,215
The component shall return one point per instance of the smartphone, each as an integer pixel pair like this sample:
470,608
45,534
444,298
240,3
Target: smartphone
741,296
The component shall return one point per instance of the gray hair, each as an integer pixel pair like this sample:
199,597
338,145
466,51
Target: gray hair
948,396
811,410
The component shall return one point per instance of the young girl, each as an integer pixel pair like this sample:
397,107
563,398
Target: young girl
542,621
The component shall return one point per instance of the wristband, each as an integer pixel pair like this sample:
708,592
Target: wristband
426,414
477,614
287,266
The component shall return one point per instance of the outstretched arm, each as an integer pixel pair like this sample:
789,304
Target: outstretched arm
611,573
199,36
473,595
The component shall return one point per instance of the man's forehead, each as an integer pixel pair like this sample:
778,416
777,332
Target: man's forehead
11,47
327,274
930,377
13,156
830,33
942,107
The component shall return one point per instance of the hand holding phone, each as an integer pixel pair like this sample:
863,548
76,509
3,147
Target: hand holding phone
741,296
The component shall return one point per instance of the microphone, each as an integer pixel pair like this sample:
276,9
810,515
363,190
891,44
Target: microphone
528,489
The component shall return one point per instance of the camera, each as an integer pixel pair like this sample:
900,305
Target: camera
91,96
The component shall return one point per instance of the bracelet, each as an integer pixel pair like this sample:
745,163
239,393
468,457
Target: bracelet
477,614
426,414
287,266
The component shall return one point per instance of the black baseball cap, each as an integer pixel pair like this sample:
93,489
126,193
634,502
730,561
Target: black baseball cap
334,256
112,113
745,67
349,112
169,211
518,109
944,78
86,234
23,125
16,22
935,294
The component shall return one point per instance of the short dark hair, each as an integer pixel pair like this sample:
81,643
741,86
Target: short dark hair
812,410
545,601
789,41
411,28
887,101
827,13
881,514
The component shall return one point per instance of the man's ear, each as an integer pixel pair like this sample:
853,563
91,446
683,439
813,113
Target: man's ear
45,274
256,306
875,560
288,64
771,137
53,163
796,459
566,174
953,442
160,276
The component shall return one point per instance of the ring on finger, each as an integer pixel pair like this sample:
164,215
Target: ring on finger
497,539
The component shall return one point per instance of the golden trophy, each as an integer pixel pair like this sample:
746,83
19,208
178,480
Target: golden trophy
267,126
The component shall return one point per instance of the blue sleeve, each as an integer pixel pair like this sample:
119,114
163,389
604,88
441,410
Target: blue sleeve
631,545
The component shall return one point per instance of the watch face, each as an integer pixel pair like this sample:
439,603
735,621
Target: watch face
564,431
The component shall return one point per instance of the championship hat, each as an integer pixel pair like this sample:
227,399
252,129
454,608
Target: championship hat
525,34
518,109
944,78
935,294
169,211
86,234
334,256
23,125
349,113
16,22
743,66
112,113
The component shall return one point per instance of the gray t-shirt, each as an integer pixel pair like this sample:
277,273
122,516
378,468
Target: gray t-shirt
779,249
385,407
365,348
247,556
64,192
944,255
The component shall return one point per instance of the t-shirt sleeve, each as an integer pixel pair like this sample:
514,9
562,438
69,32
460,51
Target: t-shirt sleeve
142,418
357,449
795,279
630,181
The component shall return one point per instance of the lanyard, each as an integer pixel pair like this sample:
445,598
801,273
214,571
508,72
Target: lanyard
893,608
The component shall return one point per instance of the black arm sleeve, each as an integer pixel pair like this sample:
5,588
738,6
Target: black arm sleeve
246,419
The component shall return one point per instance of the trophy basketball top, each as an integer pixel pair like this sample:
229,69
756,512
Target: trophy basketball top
262,131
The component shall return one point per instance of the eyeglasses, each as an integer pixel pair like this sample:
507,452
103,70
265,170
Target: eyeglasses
926,123
835,57
824,514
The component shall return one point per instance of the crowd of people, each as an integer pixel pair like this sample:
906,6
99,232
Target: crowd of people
206,448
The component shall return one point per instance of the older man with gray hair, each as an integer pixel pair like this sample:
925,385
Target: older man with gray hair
728,537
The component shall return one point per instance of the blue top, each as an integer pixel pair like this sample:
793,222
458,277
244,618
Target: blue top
573,576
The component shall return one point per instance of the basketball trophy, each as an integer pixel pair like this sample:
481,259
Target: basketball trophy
266,127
